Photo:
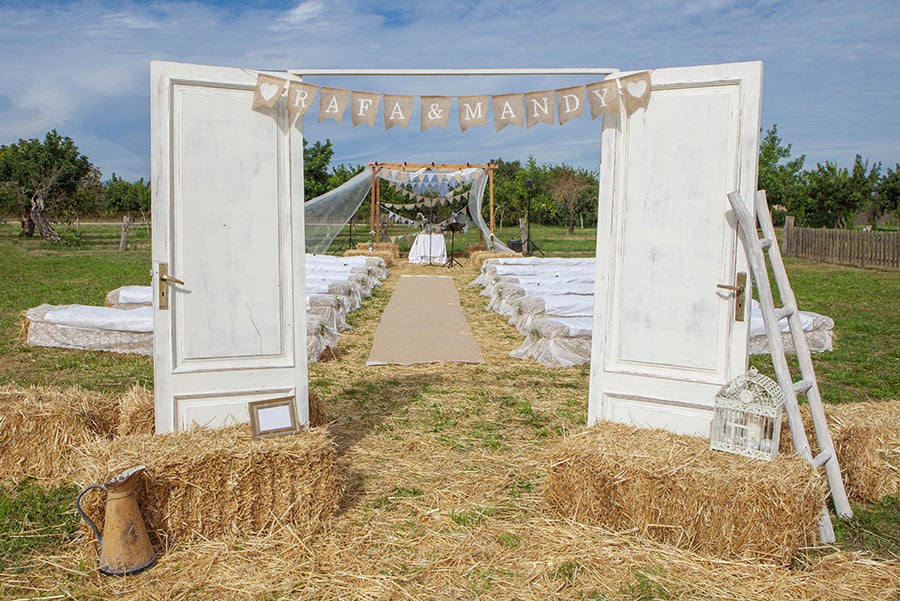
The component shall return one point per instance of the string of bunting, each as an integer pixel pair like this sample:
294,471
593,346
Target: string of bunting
523,109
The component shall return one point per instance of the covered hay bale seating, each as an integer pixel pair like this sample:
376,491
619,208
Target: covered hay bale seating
41,427
674,489
92,328
334,287
129,297
220,483
530,291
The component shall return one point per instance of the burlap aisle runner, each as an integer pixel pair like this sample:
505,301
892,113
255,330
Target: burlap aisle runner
424,323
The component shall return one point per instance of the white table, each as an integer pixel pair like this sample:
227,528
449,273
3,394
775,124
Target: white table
428,249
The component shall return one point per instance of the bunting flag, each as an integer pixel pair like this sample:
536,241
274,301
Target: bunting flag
636,90
472,111
333,103
603,97
365,108
300,97
508,110
435,111
268,91
521,109
397,111
570,103
539,107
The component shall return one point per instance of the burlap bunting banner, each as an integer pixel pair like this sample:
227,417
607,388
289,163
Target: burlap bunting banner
300,97
365,108
472,111
333,103
603,97
397,110
636,90
508,110
539,108
435,111
268,91
528,109
569,103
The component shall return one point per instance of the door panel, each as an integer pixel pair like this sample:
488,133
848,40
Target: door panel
228,221
665,337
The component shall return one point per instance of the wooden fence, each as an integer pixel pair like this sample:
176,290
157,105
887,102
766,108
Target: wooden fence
845,247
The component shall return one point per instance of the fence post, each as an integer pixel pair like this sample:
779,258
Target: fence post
788,235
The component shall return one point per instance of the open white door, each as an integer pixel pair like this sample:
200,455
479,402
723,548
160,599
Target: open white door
227,221
665,337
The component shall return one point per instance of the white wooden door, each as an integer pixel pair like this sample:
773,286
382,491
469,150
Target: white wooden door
228,221
665,337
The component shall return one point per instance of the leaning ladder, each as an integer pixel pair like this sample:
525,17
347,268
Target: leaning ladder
827,457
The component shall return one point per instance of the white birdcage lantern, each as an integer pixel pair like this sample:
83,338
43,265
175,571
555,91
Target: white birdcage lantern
747,416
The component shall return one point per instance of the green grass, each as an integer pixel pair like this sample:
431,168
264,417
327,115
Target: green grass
865,363
33,520
33,272
875,529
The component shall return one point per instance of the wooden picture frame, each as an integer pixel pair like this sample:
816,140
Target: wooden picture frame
273,417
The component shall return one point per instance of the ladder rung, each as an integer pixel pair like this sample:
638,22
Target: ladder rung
765,243
783,312
802,386
821,459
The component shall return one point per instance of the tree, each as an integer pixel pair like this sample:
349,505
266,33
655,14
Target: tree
571,188
834,194
783,181
127,198
887,195
316,160
47,174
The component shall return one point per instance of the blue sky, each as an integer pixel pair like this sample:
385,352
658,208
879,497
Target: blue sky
831,69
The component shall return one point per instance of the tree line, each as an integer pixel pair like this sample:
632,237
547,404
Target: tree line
49,181
826,195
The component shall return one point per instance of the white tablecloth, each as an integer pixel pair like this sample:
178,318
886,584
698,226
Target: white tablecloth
428,248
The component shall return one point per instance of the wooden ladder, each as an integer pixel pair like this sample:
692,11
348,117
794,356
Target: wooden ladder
827,457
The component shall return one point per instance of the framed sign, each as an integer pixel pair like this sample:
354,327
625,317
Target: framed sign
273,417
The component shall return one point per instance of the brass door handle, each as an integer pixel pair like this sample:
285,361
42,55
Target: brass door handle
739,288
165,280
173,280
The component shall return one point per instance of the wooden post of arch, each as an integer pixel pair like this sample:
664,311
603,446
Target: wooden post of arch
491,194
378,211
372,201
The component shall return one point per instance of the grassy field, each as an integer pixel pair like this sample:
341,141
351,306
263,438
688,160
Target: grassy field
441,460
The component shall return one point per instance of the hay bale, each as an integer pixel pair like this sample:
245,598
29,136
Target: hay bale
220,483
391,247
478,257
475,247
40,427
137,412
386,255
673,489
867,441
317,415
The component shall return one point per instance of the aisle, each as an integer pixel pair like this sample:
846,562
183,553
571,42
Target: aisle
424,323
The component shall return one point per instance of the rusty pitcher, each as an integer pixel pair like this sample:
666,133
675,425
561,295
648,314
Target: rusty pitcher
124,546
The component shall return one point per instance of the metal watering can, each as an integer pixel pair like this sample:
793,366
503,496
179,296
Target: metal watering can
125,548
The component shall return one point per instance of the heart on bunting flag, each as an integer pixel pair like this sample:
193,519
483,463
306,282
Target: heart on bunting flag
268,91
637,90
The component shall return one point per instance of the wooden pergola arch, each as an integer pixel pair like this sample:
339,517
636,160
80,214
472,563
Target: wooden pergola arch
375,200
